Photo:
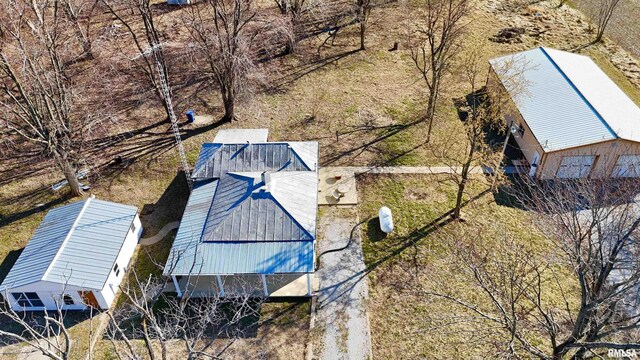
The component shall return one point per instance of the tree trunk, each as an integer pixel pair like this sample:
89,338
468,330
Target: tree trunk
431,109
82,38
69,174
464,177
229,107
363,29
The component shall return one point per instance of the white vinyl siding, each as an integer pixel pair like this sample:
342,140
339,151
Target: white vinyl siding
627,166
574,167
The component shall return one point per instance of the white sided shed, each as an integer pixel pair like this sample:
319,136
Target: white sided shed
77,257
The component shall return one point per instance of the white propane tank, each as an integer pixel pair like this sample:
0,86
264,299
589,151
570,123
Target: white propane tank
386,220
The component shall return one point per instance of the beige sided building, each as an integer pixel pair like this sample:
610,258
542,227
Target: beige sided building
571,120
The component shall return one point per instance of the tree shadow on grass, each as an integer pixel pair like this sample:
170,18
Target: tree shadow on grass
125,152
8,262
384,132
300,71
403,244
29,203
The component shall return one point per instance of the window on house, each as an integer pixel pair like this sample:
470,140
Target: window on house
68,300
116,269
29,299
133,227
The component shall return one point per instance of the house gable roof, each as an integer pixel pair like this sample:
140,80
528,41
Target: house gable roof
75,244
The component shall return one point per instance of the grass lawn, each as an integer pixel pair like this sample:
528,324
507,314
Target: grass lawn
425,327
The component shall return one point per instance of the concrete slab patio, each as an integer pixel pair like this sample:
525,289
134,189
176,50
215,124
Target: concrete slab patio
337,178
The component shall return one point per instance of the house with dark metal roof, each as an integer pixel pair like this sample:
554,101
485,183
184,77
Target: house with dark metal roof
570,119
250,222
76,258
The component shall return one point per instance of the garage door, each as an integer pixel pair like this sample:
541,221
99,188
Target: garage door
573,167
627,166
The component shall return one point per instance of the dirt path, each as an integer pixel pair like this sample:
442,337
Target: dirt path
341,313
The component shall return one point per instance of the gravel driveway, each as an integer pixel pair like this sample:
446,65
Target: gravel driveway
341,315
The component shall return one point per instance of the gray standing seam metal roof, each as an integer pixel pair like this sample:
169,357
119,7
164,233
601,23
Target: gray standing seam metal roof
190,255
242,212
76,244
216,159
569,101
236,223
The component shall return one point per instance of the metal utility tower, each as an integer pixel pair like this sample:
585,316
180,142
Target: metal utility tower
166,93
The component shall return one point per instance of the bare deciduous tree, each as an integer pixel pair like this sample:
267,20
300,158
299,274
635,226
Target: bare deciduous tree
151,58
364,10
606,10
594,225
48,335
294,10
224,31
37,90
438,42
199,323
579,295
483,111
73,11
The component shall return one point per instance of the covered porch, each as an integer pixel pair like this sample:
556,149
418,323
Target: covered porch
237,285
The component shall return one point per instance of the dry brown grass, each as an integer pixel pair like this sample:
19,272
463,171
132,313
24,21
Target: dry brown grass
348,95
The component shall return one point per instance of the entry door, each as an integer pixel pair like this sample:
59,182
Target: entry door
89,299
534,164
574,167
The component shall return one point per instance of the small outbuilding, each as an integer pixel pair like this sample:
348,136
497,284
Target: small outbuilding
249,226
570,120
77,257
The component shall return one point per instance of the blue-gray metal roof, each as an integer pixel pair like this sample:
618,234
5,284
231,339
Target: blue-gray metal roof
552,100
216,159
191,255
76,244
244,209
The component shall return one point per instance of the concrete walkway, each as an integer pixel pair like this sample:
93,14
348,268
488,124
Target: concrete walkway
341,314
161,234
410,169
